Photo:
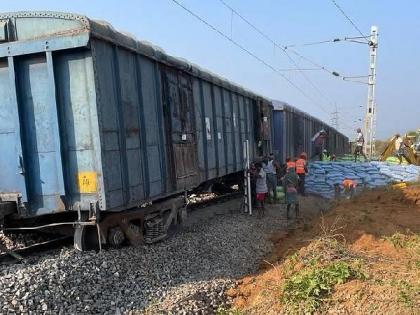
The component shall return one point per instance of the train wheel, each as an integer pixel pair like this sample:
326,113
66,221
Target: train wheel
86,238
116,237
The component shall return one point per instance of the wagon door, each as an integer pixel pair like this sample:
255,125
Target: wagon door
31,134
12,180
179,122
40,132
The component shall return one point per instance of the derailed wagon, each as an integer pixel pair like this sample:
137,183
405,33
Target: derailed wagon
294,129
104,132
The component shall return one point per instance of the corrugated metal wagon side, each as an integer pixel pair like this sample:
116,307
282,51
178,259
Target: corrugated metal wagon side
294,129
49,118
95,123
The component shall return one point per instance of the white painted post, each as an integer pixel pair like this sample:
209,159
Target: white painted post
246,175
248,178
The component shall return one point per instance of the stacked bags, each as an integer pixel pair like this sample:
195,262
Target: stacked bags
324,175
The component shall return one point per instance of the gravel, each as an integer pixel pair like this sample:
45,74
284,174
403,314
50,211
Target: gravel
14,241
186,274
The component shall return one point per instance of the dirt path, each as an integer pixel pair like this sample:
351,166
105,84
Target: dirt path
361,257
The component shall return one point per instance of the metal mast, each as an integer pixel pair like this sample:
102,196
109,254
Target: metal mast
370,117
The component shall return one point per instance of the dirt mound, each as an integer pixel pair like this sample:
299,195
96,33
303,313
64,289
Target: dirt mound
361,257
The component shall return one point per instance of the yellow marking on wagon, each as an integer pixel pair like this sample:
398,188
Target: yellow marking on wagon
86,182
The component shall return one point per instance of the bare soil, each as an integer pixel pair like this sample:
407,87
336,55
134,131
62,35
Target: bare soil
379,229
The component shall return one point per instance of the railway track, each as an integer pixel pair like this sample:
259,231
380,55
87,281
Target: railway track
214,200
22,254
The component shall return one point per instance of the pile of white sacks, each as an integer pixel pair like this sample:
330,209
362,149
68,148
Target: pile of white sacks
324,175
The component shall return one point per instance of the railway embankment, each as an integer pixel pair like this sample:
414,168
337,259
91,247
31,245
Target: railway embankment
187,274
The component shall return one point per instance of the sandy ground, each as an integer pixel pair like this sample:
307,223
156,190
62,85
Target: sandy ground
378,229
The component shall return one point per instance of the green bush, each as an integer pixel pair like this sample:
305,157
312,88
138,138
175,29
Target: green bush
306,288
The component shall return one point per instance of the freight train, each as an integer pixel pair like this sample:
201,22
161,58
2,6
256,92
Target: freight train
102,135
294,129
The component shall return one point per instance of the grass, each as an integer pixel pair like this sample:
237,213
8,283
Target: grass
408,293
224,311
312,274
306,289
409,240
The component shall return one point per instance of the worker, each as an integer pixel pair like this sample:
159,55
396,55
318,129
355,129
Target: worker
260,188
325,155
301,171
318,141
399,148
349,186
269,167
290,184
360,142
253,179
290,163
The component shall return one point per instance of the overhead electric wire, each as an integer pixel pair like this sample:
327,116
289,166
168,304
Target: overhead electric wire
299,69
308,80
263,34
314,43
348,18
285,50
334,73
321,67
246,51
357,76
281,47
327,41
354,81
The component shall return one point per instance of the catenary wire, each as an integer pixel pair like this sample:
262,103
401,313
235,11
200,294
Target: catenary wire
348,18
264,35
285,50
327,41
248,52
281,47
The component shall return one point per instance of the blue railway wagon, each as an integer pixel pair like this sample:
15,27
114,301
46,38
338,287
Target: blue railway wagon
294,129
94,120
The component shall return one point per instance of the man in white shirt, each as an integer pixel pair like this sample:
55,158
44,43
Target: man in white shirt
360,141
261,188
270,168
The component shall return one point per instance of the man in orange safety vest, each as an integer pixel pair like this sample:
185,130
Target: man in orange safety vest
290,163
301,171
349,187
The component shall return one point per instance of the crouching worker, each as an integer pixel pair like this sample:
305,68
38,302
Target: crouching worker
260,188
349,187
290,183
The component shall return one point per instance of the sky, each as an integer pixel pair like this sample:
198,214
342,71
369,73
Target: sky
285,22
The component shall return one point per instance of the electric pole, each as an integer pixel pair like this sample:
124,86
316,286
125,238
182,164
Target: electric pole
370,117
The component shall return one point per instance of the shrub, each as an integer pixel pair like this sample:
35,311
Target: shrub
306,288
